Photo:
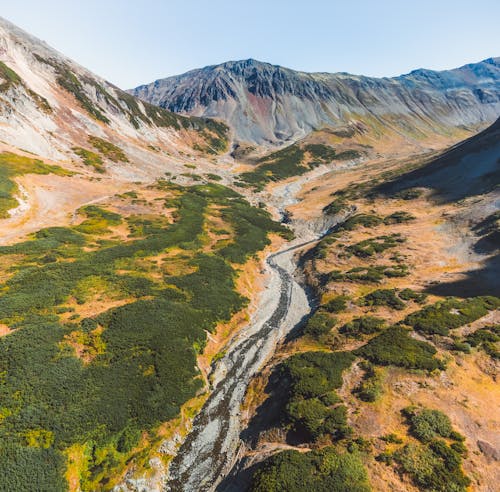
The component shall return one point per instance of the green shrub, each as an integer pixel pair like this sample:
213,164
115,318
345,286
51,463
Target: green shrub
399,217
336,305
426,424
371,246
364,325
452,313
395,347
321,470
383,297
312,378
435,468
411,295
370,387
319,324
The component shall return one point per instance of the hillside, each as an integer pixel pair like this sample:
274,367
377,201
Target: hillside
265,103
51,106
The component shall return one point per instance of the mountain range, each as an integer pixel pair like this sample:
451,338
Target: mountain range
269,104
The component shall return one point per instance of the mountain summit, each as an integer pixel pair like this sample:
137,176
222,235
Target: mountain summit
267,103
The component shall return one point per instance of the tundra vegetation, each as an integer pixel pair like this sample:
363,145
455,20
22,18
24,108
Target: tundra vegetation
102,381
371,331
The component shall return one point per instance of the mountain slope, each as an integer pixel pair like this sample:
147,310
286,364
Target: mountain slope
49,105
268,103
468,169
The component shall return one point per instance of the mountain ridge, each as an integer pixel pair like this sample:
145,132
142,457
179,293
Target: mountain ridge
267,103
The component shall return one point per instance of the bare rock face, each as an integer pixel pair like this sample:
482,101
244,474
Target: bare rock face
265,103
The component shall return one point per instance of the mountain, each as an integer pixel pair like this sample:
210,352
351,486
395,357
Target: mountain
265,103
49,105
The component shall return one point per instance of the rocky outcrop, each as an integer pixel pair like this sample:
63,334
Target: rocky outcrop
268,103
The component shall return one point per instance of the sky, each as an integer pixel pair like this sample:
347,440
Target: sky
135,42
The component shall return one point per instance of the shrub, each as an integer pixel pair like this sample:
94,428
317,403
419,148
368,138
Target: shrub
436,467
399,217
322,470
395,347
365,325
319,324
426,424
449,314
383,297
336,305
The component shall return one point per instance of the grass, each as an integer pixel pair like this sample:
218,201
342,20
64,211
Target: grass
9,77
13,165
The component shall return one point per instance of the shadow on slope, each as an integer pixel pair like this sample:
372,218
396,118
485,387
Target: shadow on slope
468,169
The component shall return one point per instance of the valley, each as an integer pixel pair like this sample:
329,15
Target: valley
247,278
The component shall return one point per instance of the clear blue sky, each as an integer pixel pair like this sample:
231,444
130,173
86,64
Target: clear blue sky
134,42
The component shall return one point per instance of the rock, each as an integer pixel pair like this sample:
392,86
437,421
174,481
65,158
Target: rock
489,450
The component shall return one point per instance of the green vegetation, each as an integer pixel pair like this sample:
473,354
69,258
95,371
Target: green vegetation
213,177
90,158
451,313
370,387
432,464
411,295
364,220
291,161
378,244
71,83
335,207
108,150
365,325
322,470
12,165
319,325
409,193
399,217
9,78
486,338
312,377
383,297
104,380
395,347
336,305
426,424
